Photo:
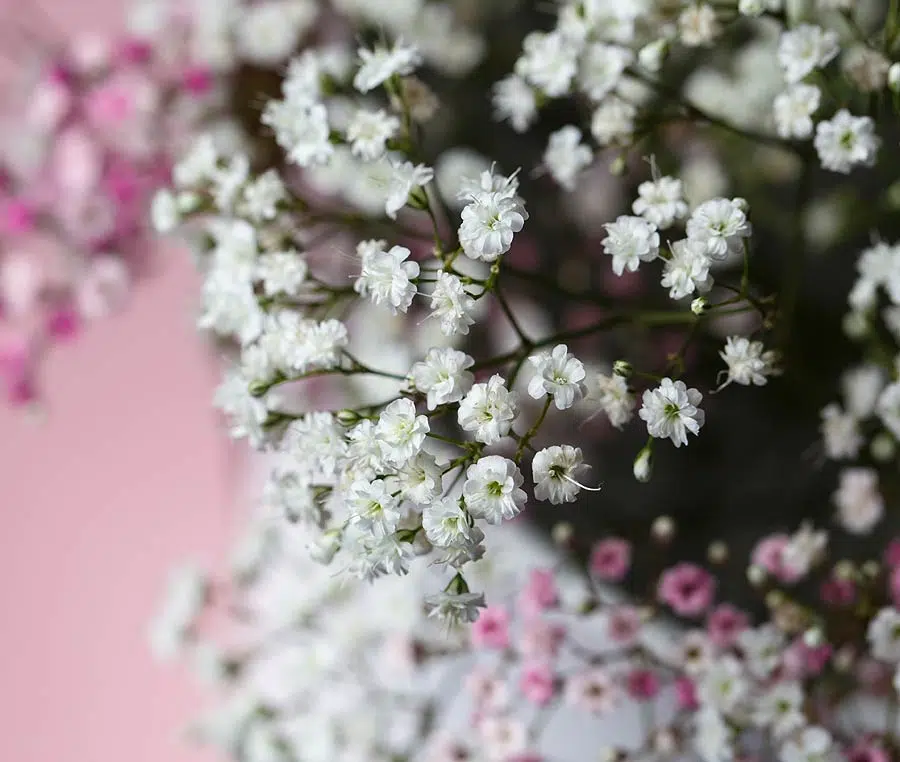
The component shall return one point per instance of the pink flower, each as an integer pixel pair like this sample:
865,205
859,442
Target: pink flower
623,625
769,555
77,165
540,592
540,639
838,592
894,585
687,589
642,684
491,630
197,80
21,391
537,683
63,323
868,750
18,217
724,624
133,50
592,690
892,553
487,690
800,660
686,694
610,559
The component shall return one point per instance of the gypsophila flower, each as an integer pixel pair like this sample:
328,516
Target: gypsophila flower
455,607
888,408
164,213
374,557
488,410
369,131
514,101
405,178
687,270
380,64
840,433
197,165
301,129
793,110
859,502
566,156
283,272
489,221
559,374
556,473
373,507
316,440
698,25
363,456
758,7
612,122
845,141
884,635
401,431
291,493
452,305
803,550
246,413
714,736
386,276
447,523
661,202
781,708
721,225
601,68
724,685
548,62
630,241
812,744
804,48
443,376
612,393
748,363
262,196
492,489
420,479
671,410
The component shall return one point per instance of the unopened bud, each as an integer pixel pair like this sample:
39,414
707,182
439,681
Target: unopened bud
774,598
663,529
855,325
756,575
871,569
325,547
643,465
562,533
623,368
698,306
347,417
845,570
894,77
652,55
717,552
617,166
883,448
741,203
813,637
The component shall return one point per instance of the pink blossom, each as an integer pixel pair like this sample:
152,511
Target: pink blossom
769,555
642,684
63,323
77,165
592,690
540,639
537,683
197,80
491,630
20,391
15,355
623,625
610,559
18,217
801,661
892,553
133,50
540,592
838,592
687,588
487,690
724,624
868,750
686,692
894,584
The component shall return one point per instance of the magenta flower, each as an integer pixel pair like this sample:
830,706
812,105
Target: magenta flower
642,684
537,683
687,589
491,630
540,592
623,625
724,624
611,559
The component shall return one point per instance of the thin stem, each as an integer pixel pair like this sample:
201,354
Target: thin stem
504,305
529,435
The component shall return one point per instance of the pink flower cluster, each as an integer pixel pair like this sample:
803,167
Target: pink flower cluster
85,146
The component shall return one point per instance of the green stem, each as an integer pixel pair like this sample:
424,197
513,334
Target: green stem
529,435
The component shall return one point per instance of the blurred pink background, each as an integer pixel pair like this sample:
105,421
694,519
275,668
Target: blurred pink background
126,476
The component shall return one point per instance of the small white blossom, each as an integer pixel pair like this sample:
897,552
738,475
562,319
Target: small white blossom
754,8
514,101
489,221
420,479
386,276
559,374
840,433
262,196
455,607
793,110
858,500
724,685
861,387
698,25
405,178
804,549
556,473
781,708
369,131
373,507
443,376
845,141
687,270
492,489
888,408
301,129
748,362
714,738
379,65
613,121
661,202
601,68
805,48
611,392
452,305
630,241
198,165
671,410
401,431
884,635
282,272
721,225
566,156
164,213
447,523
549,62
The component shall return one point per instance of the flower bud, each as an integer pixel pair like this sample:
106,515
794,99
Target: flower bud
855,325
643,466
623,368
562,533
845,570
617,166
347,417
663,529
698,306
894,77
717,552
741,203
756,575
652,55
324,548
813,637
883,448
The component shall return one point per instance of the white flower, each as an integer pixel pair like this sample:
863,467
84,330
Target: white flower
601,69
363,457
455,607
862,387
369,131
793,110
228,181
246,413
514,101
316,442
840,433
374,557
373,507
804,48
698,25
559,374
184,599
386,277
878,266
379,65
489,221
884,635
262,196
504,738
781,708
804,549
630,241
548,62
721,225
420,479
758,7
301,129
687,270
812,744
442,375
613,121
714,737
671,410
762,648
283,272
198,165
724,685
859,503
652,55
845,141
230,307
555,471
661,202
492,489
452,305
164,213
405,177
266,33
611,392
566,156
447,523
748,363
401,431
290,492
888,408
